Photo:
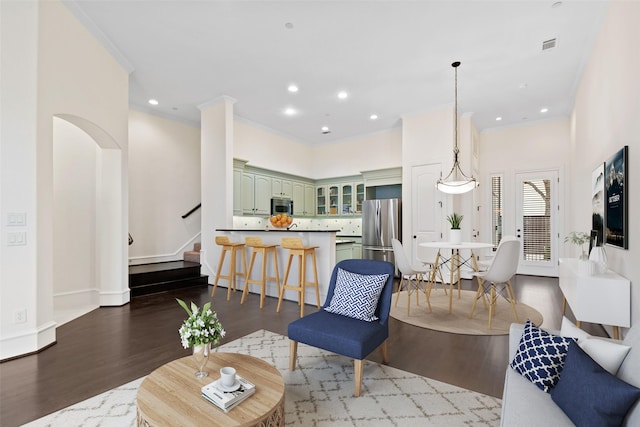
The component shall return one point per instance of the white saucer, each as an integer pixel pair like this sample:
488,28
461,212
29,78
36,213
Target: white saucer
227,388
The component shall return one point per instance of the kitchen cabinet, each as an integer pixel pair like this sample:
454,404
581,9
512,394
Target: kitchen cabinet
343,198
309,199
256,194
321,201
334,199
303,199
237,192
357,247
282,188
343,251
346,197
359,197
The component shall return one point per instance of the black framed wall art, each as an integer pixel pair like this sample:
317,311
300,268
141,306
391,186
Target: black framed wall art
616,201
597,203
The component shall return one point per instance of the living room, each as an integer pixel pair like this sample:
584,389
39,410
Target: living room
602,121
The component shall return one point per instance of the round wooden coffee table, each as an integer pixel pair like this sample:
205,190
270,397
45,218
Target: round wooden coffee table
170,395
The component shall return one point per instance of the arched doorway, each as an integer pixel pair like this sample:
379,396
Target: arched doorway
89,238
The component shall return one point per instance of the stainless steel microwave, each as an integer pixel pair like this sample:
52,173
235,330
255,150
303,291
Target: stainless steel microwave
280,205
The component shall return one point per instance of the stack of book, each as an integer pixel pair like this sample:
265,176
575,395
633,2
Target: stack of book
225,398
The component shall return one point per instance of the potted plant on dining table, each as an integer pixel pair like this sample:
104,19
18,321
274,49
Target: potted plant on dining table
455,234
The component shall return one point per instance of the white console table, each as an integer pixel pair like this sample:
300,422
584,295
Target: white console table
598,298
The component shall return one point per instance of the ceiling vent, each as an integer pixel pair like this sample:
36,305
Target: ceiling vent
549,44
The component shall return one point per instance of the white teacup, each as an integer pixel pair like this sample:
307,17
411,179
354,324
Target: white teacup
228,376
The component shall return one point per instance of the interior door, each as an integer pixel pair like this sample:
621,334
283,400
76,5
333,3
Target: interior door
536,222
426,211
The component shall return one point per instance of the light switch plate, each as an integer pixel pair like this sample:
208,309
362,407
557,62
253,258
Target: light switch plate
16,238
17,219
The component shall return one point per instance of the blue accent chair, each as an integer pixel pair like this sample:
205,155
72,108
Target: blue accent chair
344,335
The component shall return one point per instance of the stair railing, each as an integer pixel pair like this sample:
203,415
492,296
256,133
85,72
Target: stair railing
192,211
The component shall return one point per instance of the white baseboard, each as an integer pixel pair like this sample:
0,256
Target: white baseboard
27,342
115,298
63,301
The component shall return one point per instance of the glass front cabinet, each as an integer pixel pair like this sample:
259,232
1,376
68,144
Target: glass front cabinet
359,197
321,200
340,199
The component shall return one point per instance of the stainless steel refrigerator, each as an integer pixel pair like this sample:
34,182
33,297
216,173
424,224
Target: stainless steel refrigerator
381,222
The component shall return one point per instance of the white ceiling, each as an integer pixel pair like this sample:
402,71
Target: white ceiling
392,57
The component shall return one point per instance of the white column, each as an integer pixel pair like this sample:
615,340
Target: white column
216,152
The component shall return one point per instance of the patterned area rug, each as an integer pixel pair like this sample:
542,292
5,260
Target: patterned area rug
458,322
318,393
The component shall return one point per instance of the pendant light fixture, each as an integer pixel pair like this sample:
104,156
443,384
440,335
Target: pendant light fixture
456,182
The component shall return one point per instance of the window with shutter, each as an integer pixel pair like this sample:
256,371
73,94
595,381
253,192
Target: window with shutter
496,210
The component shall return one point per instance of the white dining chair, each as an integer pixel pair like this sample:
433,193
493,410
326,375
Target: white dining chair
430,259
500,272
411,277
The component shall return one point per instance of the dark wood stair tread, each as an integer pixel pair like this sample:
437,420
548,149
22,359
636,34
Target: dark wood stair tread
157,277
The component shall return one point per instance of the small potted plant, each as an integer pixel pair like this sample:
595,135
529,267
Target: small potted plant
455,235
578,238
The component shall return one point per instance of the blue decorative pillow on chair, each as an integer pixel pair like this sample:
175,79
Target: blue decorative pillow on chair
540,356
356,295
589,395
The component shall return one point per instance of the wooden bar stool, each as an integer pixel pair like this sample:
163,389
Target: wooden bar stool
259,248
231,277
296,247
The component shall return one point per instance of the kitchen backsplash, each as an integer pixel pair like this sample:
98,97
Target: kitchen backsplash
348,226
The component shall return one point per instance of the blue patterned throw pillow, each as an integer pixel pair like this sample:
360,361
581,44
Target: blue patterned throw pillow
540,356
356,295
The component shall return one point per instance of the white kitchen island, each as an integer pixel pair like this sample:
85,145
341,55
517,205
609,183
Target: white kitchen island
325,259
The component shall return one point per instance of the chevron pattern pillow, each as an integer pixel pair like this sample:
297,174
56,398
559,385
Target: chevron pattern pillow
540,356
356,295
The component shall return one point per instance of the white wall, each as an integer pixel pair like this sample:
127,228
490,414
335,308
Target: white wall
270,150
427,138
267,149
164,184
534,146
18,103
52,66
605,118
75,160
375,151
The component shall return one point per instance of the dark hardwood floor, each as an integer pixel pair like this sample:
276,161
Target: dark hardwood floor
114,345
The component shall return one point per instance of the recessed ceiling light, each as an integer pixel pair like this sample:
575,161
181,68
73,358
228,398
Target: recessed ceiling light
325,129
153,101
544,110
292,88
290,111
343,95
498,119
373,117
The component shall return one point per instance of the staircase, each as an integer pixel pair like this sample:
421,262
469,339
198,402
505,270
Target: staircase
158,277
194,255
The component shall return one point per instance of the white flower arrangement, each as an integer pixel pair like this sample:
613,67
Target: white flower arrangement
201,327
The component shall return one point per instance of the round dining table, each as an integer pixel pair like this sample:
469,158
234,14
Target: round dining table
455,260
